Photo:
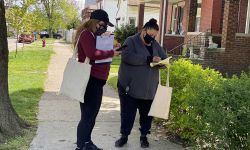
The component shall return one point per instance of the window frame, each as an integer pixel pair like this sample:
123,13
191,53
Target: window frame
132,18
198,17
247,30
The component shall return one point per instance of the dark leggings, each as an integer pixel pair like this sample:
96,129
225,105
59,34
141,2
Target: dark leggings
129,106
89,110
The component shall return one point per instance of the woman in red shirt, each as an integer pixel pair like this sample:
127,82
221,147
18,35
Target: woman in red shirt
99,73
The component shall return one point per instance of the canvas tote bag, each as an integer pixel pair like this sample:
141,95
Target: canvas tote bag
161,103
75,77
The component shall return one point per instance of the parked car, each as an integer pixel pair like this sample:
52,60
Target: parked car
44,34
26,38
57,35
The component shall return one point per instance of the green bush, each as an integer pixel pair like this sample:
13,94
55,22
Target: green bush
10,34
26,33
122,33
208,110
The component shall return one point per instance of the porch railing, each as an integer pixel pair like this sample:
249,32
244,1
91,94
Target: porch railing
193,43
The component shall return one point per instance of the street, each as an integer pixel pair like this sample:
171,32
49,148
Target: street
12,44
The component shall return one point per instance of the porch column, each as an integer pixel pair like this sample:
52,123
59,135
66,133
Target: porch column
163,20
190,14
140,22
230,23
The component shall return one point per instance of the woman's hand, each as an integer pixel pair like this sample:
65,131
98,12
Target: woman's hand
156,59
117,53
116,44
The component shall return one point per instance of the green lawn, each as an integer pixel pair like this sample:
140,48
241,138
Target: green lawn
27,74
113,74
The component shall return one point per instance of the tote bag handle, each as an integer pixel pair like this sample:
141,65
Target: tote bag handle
167,82
75,50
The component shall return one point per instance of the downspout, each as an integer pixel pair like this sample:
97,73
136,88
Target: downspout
163,22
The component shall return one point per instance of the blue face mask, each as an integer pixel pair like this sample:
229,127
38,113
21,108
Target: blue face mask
148,39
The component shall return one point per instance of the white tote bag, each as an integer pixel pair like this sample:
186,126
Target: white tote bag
75,77
161,103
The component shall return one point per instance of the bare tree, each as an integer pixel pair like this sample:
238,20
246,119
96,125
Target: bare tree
10,123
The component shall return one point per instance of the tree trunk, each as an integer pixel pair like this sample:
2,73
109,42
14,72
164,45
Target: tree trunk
50,28
10,124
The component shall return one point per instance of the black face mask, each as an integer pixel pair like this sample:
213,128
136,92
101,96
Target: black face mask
101,30
148,39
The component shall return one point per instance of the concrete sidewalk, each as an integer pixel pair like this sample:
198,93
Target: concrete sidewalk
59,116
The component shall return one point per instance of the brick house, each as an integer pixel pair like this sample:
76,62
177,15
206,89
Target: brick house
216,31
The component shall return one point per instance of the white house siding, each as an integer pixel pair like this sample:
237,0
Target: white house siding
110,6
151,13
122,13
125,11
132,11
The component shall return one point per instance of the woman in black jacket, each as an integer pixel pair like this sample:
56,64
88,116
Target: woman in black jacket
137,81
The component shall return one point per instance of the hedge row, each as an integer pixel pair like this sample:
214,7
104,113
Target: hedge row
209,111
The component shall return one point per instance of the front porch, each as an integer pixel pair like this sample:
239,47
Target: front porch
216,32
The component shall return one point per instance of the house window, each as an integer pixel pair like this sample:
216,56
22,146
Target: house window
173,20
198,17
177,19
132,20
180,29
248,19
248,26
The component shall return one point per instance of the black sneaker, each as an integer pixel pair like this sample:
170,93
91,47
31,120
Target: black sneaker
144,142
120,142
78,148
90,146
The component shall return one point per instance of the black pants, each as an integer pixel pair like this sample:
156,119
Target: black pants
129,106
89,110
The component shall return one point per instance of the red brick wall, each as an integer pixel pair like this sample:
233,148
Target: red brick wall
217,16
206,15
234,60
190,10
211,17
222,15
171,42
236,55
230,22
242,16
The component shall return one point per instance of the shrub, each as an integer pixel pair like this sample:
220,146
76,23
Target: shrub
207,109
122,33
10,34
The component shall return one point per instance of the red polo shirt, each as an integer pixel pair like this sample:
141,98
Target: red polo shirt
87,47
